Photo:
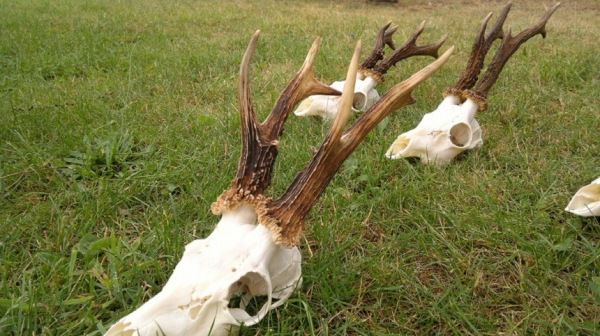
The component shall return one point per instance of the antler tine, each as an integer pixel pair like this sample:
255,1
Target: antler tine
408,49
345,109
303,85
388,37
246,108
285,216
260,141
481,46
383,37
510,44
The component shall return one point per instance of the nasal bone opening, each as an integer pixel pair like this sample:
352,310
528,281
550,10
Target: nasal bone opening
398,146
460,134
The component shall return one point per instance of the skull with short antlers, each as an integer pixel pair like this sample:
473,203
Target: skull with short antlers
452,128
252,251
370,73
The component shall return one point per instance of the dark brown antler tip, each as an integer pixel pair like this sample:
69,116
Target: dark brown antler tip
384,36
408,49
387,37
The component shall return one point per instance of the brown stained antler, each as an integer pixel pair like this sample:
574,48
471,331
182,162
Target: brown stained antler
408,49
481,46
285,216
510,44
384,36
260,141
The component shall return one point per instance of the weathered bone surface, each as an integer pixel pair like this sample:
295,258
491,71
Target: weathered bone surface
586,201
442,134
371,73
452,129
252,251
195,299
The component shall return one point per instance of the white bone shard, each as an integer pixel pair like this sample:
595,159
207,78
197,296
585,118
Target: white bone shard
586,201
239,259
442,134
327,107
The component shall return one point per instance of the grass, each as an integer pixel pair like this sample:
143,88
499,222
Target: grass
119,127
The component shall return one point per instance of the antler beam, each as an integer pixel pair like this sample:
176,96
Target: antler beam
286,215
260,142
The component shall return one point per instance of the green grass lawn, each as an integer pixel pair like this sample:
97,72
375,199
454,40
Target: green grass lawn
119,128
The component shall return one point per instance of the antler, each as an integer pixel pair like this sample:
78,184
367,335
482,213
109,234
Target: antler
285,216
384,36
371,67
408,49
481,46
260,141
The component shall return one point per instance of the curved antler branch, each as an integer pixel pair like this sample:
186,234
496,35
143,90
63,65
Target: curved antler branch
481,46
510,44
285,216
384,36
408,49
260,141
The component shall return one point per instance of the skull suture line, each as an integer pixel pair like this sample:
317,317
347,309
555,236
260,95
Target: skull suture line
452,129
252,251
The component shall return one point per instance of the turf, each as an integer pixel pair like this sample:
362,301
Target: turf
119,127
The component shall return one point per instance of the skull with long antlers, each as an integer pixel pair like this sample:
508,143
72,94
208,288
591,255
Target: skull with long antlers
452,128
370,73
252,250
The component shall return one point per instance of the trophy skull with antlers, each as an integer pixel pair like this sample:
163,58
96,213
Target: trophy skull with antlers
452,128
252,251
370,73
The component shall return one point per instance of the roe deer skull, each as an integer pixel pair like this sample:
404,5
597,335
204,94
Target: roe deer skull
370,73
452,129
252,251
586,201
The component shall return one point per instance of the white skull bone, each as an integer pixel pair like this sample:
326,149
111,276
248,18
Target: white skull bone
586,201
327,107
442,134
238,259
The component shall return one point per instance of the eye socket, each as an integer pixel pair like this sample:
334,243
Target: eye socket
460,134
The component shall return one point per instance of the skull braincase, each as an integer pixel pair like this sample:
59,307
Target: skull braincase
442,134
586,201
327,107
196,297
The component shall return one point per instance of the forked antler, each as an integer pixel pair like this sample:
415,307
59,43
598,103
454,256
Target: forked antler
376,69
285,216
383,37
510,44
260,142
